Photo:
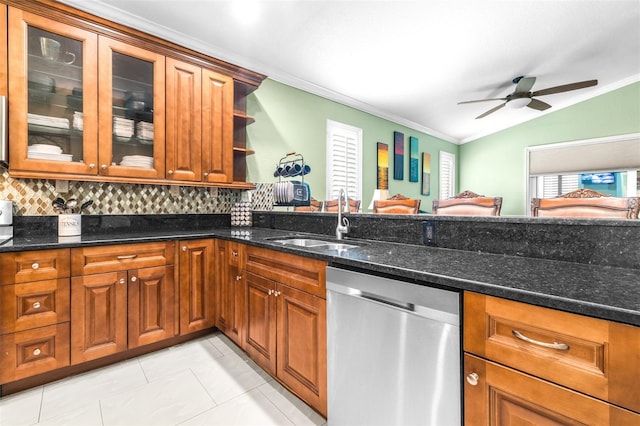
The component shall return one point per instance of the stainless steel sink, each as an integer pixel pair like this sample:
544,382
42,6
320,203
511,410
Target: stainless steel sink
312,243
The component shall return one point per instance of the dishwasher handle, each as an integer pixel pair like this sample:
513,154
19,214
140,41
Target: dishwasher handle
387,301
413,308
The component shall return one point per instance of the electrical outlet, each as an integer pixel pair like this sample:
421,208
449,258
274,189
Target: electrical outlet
429,236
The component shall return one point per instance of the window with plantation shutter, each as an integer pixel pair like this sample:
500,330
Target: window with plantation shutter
344,160
447,171
556,185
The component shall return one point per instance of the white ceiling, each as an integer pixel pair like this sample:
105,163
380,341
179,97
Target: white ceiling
409,61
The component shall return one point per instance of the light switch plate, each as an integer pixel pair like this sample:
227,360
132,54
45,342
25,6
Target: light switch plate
62,186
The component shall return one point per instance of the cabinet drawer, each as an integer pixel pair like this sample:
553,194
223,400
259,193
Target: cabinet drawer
300,272
95,260
21,267
600,358
35,351
35,304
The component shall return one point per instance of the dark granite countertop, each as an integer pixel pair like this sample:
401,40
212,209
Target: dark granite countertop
594,290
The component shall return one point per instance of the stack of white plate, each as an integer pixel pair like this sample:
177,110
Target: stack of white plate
137,161
283,192
122,127
145,132
47,152
48,121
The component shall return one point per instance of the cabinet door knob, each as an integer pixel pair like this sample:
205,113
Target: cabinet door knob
37,352
134,279
92,165
238,277
122,281
472,379
170,172
234,253
184,248
35,265
270,292
206,174
103,167
36,305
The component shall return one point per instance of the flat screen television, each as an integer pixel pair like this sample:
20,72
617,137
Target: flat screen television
595,178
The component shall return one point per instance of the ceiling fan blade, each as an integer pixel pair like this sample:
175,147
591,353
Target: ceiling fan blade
482,100
539,105
565,88
525,84
491,111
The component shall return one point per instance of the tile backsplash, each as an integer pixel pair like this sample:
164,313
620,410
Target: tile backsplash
33,197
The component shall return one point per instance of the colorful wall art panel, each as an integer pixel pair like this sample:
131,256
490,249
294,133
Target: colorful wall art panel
426,174
398,155
383,166
414,159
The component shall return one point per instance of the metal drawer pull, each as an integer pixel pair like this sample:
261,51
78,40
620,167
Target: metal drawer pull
234,253
554,345
36,352
472,379
35,265
134,279
130,256
36,305
238,277
122,281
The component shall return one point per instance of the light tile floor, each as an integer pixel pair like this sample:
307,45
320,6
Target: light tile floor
208,381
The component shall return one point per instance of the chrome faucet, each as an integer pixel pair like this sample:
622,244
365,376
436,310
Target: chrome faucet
343,222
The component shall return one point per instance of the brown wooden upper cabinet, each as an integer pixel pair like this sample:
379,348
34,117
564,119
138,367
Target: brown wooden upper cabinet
53,101
91,101
199,124
131,110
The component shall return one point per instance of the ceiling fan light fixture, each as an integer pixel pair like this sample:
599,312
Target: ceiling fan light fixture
519,103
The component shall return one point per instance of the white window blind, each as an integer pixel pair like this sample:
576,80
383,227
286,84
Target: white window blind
556,185
344,160
447,171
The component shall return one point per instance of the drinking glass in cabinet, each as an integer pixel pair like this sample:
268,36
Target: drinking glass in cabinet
55,107
132,105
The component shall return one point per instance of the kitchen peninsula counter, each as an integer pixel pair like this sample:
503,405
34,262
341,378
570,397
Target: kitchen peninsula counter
600,291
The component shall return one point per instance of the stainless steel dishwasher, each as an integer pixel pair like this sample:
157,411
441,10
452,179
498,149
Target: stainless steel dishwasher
393,352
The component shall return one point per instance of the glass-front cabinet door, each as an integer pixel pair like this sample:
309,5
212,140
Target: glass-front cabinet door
52,96
131,111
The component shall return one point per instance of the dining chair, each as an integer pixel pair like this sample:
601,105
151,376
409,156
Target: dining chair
586,203
468,203
397,205
314,206
332,206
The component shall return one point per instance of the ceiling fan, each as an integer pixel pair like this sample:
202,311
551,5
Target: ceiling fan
522,95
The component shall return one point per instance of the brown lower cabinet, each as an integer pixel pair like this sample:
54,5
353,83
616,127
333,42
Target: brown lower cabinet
285,329
197,293
529,365
498,395
130,305
230,290
34,313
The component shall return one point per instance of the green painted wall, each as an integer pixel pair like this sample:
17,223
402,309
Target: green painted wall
495,165
288,119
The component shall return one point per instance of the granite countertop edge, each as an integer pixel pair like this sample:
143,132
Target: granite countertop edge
602,292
